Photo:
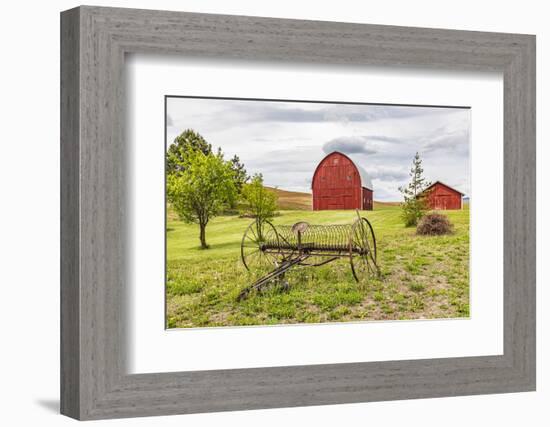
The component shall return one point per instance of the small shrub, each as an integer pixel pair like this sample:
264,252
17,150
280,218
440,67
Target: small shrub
412,211
434,225
378,296
417,287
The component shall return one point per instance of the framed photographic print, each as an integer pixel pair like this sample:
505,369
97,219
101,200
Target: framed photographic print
261,213
278,185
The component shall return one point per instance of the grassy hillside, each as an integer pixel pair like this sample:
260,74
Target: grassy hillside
423,277
292,200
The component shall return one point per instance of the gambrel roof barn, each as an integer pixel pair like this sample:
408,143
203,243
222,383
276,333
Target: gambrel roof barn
340,183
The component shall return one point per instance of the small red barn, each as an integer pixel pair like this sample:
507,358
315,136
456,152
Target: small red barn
440,196
339,183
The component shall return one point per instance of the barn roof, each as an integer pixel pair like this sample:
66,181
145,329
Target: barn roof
365,178
442,183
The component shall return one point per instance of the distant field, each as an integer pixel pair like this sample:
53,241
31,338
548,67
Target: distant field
422,277
292,200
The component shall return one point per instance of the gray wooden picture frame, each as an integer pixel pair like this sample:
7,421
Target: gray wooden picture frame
94,382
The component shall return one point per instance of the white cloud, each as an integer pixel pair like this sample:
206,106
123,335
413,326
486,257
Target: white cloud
349,145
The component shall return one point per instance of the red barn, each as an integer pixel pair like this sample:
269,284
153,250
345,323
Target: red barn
339,183
443,197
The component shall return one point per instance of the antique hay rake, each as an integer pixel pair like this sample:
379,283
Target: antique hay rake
282,247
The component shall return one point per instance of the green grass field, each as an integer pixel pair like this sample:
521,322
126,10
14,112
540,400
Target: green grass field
422,277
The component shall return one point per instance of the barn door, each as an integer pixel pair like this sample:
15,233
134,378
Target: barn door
349,203
442,202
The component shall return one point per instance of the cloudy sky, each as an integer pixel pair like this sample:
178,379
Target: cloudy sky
286,140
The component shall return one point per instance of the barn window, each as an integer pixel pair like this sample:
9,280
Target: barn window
348,177
335,161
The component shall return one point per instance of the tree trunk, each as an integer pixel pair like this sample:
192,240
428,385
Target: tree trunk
203,236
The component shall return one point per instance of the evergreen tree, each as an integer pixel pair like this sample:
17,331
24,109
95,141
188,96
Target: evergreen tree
414,203
241,176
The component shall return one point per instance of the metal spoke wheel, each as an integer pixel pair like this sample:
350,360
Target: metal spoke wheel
260,249
362,250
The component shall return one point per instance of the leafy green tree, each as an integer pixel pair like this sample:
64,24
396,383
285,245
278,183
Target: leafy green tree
183,144
188,141
202,189
259,202
414,204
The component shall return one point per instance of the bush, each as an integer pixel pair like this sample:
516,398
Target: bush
259,202
434,225
412,210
